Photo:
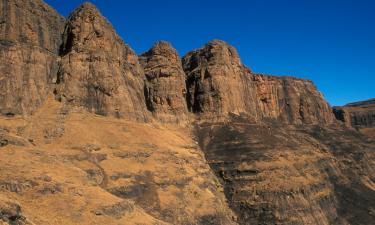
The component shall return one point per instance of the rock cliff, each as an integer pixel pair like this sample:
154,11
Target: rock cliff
30,37
97,70
165,90
357,114
218,83
213,79
109,137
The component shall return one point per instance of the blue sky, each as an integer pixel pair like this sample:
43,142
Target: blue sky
331,42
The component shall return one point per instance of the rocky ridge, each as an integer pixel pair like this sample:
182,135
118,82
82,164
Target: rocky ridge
253,148
218,83
94,69
357,114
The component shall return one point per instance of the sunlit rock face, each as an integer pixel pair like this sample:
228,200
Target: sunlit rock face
97,70
218,83
109,137
30,37
214,79
357,114
281,155
165,90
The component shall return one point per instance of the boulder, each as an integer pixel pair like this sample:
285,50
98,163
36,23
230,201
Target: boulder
11,212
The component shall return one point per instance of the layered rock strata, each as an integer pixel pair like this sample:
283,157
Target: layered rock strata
274,144
30,37
277,174
165,90
357,114
218,83
98,70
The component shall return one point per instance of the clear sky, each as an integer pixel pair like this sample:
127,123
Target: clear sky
331,42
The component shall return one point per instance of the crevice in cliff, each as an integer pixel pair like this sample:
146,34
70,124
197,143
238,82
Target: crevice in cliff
148,97
67,44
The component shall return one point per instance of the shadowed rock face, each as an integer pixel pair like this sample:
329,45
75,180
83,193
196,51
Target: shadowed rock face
277,174
98,71
357,114
11,212
217,83
165,87
30,36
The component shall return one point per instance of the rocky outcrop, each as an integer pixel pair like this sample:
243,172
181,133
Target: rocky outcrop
165,87
11,213
218,83
357,114
30,36
98,71
342,115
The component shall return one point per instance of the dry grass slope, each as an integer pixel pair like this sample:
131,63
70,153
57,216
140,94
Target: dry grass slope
79,168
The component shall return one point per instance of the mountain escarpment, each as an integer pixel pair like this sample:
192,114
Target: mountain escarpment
91,133
357,114
218,83
30,38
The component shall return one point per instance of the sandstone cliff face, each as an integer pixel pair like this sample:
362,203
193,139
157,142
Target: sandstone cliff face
213,79
98,71
30,37
218,83
290,100
165,87
357,114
